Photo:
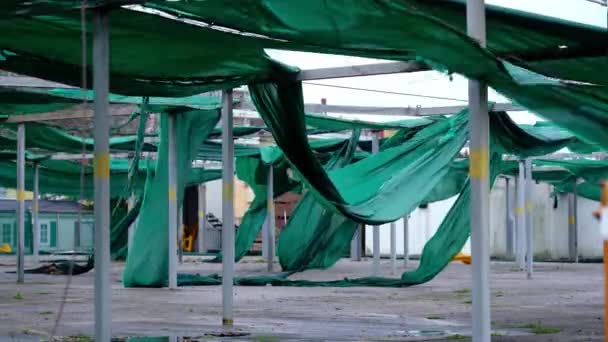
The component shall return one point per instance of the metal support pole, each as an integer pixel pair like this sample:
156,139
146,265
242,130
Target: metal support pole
131,229
480,191
270,225
529,224
393,248
520,210
227,209
180,234
355,245
376,229
101,124
35,210
20,202
509,220
572,225
172,203
406,240
202,220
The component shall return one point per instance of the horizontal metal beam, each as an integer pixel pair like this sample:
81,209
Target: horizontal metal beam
400,111
78,111
394,111
304,75
30,82
361,70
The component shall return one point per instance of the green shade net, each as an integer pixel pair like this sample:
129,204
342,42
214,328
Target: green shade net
355,191
147,259
49,47
435,32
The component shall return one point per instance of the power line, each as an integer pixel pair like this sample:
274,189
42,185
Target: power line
387,92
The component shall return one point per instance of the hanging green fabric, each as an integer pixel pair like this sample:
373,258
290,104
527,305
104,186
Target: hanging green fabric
120,221
524,56
372,190
315,236
147,260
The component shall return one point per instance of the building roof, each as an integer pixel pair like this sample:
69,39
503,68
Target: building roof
45,206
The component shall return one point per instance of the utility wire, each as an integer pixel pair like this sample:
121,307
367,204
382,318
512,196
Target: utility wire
387,92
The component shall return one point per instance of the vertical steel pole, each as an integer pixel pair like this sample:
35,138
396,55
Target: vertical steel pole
20,201
35,209
520,210
510,235
131,229
355,245
180,234
479,167
376,229
172,203
529,224
393,248
202,221
270,226
406,240
101,133
266,228
575,235
227,209
572,225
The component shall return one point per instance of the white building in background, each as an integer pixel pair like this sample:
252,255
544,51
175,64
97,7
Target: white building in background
550,224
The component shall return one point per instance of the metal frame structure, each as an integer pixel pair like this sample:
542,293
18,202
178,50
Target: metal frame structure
101,87
529,225
269,240
227,210
172,224
35,210
479,167
406,240
20,203
376,228
479,172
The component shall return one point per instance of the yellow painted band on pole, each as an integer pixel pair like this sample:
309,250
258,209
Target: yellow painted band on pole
201,214
520,211
228,191
172,194
228,322
530,206
101,166
478,163
269,206
20,195
571,220
35,206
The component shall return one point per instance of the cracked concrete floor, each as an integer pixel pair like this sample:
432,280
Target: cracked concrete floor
563,302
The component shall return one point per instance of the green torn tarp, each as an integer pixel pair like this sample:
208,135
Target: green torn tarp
354,191
49,47
147,260
436,34
316,236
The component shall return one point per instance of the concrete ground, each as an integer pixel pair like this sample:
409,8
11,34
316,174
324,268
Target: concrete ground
563,302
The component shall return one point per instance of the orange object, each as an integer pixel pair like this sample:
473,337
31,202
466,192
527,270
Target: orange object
187,240
6,248
465,259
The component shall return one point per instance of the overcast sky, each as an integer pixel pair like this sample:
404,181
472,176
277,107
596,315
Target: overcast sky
425,83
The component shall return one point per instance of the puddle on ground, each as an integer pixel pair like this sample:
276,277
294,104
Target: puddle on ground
422,333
